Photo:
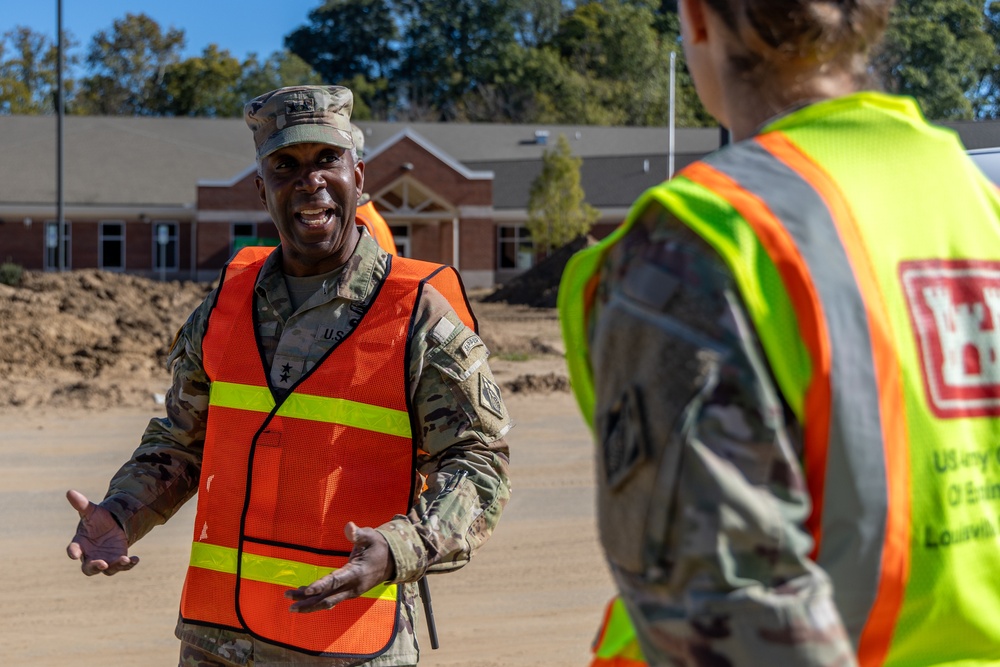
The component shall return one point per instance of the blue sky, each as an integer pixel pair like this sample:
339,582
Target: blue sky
241,27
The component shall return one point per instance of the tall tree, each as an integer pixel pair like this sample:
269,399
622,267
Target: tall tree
206,85
352,41
536,21
615,45
942,53
986,101
607,64
450,48
28,71
280,69
128,66
557,212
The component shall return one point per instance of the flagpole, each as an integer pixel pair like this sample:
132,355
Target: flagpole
670,158
60,111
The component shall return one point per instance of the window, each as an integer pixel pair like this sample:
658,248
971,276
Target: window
111,245
244,234
515,249
57,256
165,246
401,237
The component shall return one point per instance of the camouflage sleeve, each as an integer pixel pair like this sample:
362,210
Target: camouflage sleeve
701,493
461,449
164,470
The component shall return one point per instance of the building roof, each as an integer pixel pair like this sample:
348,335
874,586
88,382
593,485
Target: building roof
158,162
123,161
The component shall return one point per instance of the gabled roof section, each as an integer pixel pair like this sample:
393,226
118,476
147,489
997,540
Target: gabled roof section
444,157
408,197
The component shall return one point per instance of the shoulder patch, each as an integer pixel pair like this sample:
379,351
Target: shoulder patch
489,395
442,331
471,342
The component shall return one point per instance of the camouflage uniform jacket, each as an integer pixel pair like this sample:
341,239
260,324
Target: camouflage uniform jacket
701,492
461,447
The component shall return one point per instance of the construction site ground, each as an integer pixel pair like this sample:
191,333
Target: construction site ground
82,356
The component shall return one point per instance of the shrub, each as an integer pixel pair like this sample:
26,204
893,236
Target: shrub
10,274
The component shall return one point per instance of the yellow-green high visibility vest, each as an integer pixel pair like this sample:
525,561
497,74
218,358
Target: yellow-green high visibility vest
866,248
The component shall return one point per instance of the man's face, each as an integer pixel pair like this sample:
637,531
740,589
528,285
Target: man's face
311,191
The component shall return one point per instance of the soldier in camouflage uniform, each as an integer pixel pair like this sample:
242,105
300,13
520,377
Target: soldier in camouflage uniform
733,491
703,500
308,297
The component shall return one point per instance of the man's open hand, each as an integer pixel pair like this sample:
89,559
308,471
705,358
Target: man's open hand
370,564
99,541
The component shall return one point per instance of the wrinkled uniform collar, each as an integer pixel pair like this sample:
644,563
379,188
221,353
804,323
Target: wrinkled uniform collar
356,282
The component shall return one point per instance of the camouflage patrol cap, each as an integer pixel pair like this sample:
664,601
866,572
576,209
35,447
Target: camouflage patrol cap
298,115
359,139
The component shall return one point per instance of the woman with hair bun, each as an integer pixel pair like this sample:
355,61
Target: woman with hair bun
789,355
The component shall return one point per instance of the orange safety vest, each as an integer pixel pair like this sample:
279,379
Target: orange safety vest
376,226
280,478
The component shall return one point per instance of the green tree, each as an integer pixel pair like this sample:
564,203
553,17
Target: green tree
986,100
608,63
280,69
942,53
128,66
557,212
28,71
614,45
536,21
352,41
206,85
450,48
532,85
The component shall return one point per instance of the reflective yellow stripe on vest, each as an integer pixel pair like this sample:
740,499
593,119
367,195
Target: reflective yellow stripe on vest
313,408
271,570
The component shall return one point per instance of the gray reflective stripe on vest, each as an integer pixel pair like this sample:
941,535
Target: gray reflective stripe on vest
855,491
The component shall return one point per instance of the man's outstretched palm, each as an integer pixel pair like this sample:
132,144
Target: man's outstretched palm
370,564
99,541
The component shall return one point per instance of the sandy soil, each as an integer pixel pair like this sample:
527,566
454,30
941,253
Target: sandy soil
533,596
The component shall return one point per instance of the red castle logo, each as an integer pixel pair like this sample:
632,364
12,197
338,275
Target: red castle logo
955,309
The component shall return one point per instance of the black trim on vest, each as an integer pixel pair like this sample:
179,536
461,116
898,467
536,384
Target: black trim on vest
207,624
218,292
243,539
255,319
243,520
297,547
461,287
416,430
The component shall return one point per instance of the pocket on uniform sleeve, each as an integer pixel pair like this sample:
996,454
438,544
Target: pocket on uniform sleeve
649,371
461,358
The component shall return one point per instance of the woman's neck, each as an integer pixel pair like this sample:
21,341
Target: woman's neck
750,107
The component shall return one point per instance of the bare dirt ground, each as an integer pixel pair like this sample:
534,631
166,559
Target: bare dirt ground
82,359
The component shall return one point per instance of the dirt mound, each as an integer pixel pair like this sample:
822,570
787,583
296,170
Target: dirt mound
537,384
95,340
89,338
539,285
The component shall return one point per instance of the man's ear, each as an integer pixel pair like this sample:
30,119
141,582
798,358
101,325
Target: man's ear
359,176
261,193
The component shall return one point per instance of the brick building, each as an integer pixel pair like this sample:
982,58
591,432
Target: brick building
174,197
